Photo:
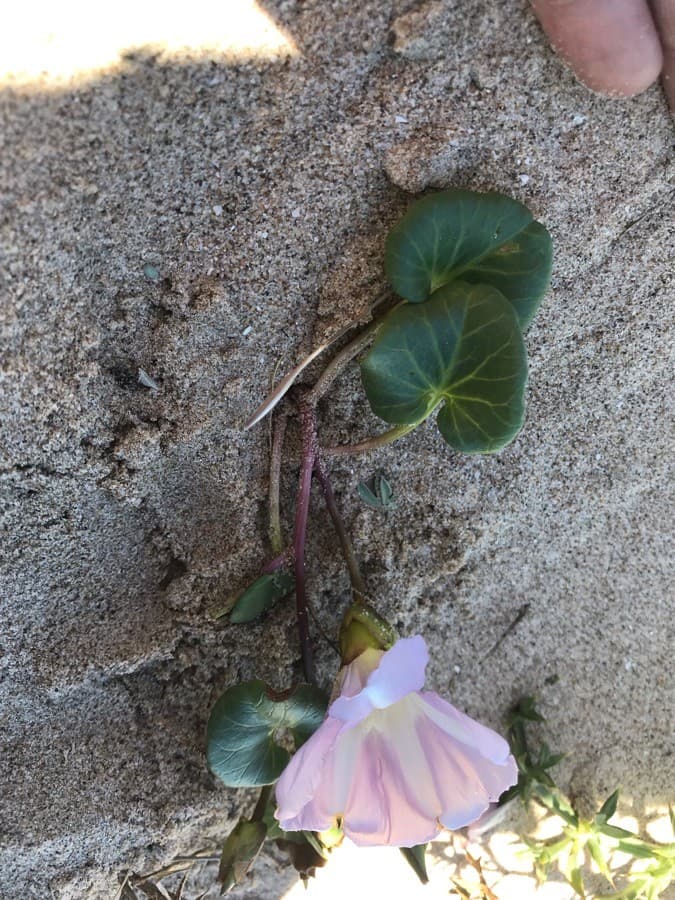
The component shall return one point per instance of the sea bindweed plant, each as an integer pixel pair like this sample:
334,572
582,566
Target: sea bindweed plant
385,762
470,271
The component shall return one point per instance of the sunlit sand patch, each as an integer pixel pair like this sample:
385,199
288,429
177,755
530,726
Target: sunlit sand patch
46,42
373,872
659,828
383,872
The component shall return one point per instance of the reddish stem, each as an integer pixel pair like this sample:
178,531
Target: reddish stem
283,559
309,451
358,586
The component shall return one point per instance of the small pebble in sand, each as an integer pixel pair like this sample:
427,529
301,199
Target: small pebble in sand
151,272
147,381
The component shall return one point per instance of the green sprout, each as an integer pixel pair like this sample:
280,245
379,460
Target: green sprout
583,841
377,493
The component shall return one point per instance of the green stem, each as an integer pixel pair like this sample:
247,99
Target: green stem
372,443
341,360
309,451
276,537
261,805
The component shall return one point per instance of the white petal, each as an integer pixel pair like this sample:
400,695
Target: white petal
400,672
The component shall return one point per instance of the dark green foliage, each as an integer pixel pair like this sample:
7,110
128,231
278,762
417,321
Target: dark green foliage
242,748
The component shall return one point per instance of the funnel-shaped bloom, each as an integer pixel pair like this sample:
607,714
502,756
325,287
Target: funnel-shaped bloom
394,762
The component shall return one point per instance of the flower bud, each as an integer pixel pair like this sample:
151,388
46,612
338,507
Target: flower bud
362,629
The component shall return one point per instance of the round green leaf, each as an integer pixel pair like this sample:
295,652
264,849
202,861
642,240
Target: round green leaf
261,596
463,348
478,238
241,736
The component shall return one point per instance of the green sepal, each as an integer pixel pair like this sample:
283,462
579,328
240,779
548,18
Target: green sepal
261,596
240,850
362,629
416,859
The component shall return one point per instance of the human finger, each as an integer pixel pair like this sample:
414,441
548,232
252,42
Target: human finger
664,14
612,45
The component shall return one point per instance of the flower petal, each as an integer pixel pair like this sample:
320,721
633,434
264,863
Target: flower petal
316,790
465,780
305,774
403,738
465,729
355,675
382,808
400,671
395,762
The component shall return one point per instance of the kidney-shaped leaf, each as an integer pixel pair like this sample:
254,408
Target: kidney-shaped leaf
242,749
477,238
462,348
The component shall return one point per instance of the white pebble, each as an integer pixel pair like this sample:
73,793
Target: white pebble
295,213
218,209
247,330
524,178
147,381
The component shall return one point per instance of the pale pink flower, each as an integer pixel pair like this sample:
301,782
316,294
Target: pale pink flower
395,763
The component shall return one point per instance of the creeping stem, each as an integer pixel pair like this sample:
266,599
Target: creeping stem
279,432
309,449
310,465
285,558
372,443
358,586
261,805
341,360
332,371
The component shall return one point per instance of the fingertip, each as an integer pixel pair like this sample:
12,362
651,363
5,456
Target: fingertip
668,81
627,83
611,45
664,14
